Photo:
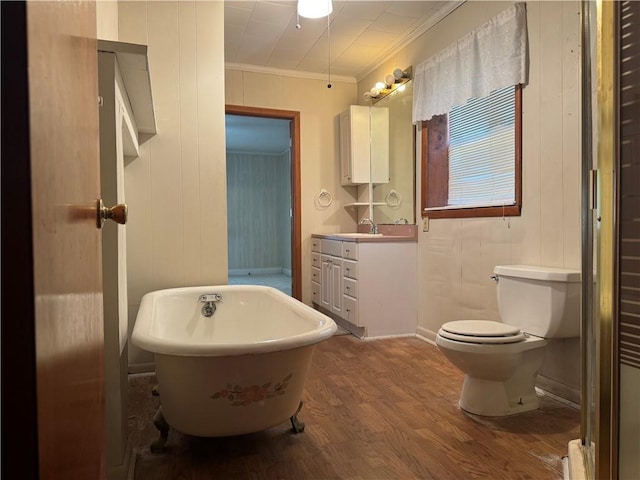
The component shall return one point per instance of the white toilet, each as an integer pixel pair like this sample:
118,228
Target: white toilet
501,359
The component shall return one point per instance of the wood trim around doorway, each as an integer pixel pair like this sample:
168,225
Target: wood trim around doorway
296,236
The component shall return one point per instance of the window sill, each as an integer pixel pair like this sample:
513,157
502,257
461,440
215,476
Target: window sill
507,211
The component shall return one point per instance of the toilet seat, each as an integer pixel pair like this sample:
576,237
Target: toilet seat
481,331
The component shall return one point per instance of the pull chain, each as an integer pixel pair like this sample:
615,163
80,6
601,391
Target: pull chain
329,48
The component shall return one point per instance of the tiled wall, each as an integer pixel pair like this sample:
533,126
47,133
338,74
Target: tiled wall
176,189
456,257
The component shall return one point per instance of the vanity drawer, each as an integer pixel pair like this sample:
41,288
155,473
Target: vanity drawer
350,287
350,250
315,293
315,260
350,309
331,247
315,274
350,269
315,244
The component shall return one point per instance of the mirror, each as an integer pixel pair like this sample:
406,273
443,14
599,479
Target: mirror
396,200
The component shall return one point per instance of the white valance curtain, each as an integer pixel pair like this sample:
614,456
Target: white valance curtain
492,56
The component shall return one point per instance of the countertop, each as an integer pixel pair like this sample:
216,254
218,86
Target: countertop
389,233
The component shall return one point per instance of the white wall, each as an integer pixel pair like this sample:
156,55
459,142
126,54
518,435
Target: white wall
107,20
319,108
176,189
457,256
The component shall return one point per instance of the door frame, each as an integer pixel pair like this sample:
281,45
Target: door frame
296,235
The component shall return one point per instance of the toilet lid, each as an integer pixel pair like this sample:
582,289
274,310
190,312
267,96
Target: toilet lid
481,331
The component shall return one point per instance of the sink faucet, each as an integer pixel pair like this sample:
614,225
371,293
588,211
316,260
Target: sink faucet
374,227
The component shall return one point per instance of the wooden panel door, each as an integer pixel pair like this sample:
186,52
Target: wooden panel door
54,266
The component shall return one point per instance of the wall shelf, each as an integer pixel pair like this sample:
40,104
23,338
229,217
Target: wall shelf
364,204
134,67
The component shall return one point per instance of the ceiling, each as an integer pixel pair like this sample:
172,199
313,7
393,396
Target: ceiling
263,34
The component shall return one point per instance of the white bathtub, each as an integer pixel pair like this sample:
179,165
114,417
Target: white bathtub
240,371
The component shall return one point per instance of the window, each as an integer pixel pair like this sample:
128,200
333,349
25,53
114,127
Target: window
472,158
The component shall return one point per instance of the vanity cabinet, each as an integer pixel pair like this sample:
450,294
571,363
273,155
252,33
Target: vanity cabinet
364,145
370,285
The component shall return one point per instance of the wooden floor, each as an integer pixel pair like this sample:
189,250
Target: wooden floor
383,409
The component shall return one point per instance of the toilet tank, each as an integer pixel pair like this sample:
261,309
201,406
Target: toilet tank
542,301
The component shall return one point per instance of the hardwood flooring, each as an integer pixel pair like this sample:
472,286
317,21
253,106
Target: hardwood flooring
375,410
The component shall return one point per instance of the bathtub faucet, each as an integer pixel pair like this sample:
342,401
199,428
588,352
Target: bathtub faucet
209,300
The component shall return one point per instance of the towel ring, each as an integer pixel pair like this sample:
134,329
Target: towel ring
324,198
393,199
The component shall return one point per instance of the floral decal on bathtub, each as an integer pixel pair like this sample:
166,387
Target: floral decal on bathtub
243,396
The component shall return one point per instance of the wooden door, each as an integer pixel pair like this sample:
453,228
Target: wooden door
52,338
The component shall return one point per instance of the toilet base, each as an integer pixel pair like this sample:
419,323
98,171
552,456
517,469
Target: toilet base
491,398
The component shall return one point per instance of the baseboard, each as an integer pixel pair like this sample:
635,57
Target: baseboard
239,272
286,271
126,471
426,335
560,390
384,337
142,368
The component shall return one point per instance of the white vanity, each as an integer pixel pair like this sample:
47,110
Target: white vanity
367,283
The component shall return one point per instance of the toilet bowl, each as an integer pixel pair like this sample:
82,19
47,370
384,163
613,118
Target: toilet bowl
501,360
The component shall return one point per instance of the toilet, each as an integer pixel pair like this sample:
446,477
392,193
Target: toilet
501,360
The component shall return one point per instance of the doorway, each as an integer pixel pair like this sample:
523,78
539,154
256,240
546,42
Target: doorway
263,197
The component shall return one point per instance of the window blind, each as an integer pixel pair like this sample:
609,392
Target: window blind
482,150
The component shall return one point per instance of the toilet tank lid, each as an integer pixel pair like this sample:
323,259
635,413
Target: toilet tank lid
532,272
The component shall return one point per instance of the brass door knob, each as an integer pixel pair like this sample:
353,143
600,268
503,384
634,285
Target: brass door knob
117,213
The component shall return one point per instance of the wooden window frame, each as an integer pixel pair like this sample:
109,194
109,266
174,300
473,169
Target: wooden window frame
435,171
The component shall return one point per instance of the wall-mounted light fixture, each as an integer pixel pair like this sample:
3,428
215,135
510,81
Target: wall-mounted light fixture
314,8
394,82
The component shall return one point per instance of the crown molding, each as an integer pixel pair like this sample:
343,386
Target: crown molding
430,23
288,73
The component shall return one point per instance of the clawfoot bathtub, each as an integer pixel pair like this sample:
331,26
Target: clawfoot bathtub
229,359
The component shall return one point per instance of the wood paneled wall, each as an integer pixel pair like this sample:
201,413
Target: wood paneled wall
176,189
457,256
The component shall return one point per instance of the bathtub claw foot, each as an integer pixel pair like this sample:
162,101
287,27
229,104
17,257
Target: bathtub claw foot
155,391
297,425
157,446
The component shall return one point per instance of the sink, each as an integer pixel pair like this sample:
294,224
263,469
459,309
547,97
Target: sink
356,235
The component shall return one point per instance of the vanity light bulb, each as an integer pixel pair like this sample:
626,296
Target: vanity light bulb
398,73
390,80
380,85
374,92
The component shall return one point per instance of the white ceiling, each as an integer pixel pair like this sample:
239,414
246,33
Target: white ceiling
263,34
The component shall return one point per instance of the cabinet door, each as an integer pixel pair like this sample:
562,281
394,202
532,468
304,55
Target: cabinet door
336,286
325,284
345,148
355,145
